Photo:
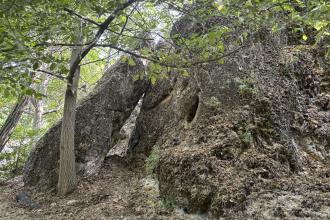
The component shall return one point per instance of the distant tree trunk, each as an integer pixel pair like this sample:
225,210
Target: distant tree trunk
107,61
37,118
39,104
67,180
12,121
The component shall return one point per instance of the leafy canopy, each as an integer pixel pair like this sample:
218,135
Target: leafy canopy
37,34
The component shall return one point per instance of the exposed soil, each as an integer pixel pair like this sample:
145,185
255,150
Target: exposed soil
117,192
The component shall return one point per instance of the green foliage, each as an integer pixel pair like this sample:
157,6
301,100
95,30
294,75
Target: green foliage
12,162
26,25
245,135
153,159
247,89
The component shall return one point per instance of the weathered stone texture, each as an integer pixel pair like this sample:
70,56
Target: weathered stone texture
99,118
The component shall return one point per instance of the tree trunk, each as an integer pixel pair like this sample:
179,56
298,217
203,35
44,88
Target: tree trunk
12,121
39,104
67,180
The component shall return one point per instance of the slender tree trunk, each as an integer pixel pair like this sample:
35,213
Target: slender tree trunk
12,121
37,118
39,104
18,153
67,180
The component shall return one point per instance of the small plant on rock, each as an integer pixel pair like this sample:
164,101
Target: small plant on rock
152,160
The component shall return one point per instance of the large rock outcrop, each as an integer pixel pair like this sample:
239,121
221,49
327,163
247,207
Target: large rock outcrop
246,139
99,118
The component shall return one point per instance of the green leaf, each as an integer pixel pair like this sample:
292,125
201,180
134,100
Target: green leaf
29,92
304,37
136,77
153,79
52,66
33,44
221,61
184,73
6,93
274,28
36,65
222,8
131,62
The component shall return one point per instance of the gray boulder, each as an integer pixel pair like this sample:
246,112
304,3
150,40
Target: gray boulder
99,118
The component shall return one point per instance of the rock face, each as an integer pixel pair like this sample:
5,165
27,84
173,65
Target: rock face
246,139
99,118
124,136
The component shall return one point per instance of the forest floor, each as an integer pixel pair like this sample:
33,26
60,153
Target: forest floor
117,192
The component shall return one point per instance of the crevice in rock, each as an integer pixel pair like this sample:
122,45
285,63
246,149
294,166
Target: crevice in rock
163,99
192,110
121,140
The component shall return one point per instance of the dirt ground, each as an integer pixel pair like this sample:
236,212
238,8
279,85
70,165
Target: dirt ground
117,192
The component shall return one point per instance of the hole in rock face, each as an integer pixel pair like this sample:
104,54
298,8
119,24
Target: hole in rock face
193,109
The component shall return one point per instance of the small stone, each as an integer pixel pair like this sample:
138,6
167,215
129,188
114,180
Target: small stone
72,202
24,199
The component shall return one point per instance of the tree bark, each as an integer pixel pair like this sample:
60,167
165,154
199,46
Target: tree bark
12,121
67,180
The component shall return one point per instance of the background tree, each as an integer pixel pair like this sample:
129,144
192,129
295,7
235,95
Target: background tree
12,120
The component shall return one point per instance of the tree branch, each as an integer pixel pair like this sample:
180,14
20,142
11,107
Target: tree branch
98,35
156,60
51,74
81,17
99,25
171,65
98,60
53,110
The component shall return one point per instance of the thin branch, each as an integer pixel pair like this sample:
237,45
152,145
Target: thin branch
51,74
99,25
125,24
130,36
46,112
81,17
172,65
53,110
167,40
156,60
98,35
98,60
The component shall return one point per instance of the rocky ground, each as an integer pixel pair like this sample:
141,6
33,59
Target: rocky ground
117,192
